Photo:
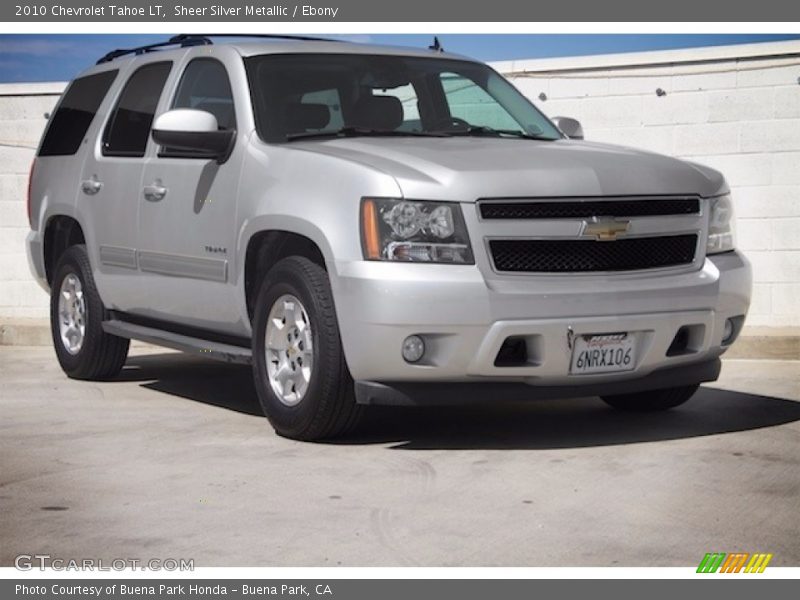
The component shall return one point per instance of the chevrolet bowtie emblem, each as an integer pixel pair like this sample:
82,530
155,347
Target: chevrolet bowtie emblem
605,230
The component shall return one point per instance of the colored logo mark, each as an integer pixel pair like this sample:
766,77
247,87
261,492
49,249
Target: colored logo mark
736,562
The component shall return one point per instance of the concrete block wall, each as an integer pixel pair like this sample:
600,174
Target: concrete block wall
735,108
22,119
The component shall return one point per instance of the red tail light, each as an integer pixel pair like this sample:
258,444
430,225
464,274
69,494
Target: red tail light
30,181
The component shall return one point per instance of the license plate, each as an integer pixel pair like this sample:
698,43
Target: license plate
603,353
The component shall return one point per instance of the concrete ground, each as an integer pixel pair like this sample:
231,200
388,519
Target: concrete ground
175,461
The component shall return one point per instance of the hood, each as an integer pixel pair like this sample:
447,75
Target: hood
468,168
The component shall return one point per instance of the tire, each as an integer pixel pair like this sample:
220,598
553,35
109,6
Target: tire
651,401
319,404
99,355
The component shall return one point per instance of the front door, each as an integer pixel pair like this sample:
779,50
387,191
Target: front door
187,215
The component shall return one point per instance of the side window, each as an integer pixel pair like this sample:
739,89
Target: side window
467,100
129,127
407,96
75,113
205,86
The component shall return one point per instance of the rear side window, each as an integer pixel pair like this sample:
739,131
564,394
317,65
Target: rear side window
129,127
75,113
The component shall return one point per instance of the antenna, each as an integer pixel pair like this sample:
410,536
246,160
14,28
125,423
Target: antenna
436,46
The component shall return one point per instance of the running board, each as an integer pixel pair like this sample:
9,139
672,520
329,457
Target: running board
159,337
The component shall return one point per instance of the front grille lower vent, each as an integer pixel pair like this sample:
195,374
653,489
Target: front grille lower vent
582,256
579,209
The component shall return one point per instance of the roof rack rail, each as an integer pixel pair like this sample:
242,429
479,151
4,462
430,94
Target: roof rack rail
185,40
194,40
269,36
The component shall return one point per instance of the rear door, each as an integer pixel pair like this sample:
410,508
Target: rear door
187,214
61,154
109,185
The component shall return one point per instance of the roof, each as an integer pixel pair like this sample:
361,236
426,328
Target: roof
336,47
276,44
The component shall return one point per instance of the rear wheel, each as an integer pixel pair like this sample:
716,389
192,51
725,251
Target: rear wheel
653,400
303,383
83,349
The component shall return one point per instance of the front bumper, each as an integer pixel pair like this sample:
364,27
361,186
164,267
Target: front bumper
404,393
464,320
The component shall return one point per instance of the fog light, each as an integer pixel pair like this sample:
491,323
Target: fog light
727,333
413,348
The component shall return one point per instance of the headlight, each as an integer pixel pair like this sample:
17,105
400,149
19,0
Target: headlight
721,225
414,231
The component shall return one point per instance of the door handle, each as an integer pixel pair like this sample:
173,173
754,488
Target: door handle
154,192
91,186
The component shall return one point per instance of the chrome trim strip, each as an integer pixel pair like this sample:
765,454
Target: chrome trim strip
117,256
192,267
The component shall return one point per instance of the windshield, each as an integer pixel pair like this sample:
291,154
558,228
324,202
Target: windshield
299,96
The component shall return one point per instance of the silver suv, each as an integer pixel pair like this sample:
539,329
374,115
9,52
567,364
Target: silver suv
373,225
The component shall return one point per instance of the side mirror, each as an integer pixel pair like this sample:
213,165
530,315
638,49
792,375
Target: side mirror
194,132
572,128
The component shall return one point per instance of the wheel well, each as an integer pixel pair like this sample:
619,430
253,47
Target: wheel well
267,248
61,233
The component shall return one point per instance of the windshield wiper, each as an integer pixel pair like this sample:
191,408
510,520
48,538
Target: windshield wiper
483,130
362,132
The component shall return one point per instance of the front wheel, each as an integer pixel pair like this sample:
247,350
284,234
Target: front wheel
654,400
302,380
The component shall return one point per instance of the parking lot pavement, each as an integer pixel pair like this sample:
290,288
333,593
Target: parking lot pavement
173,460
